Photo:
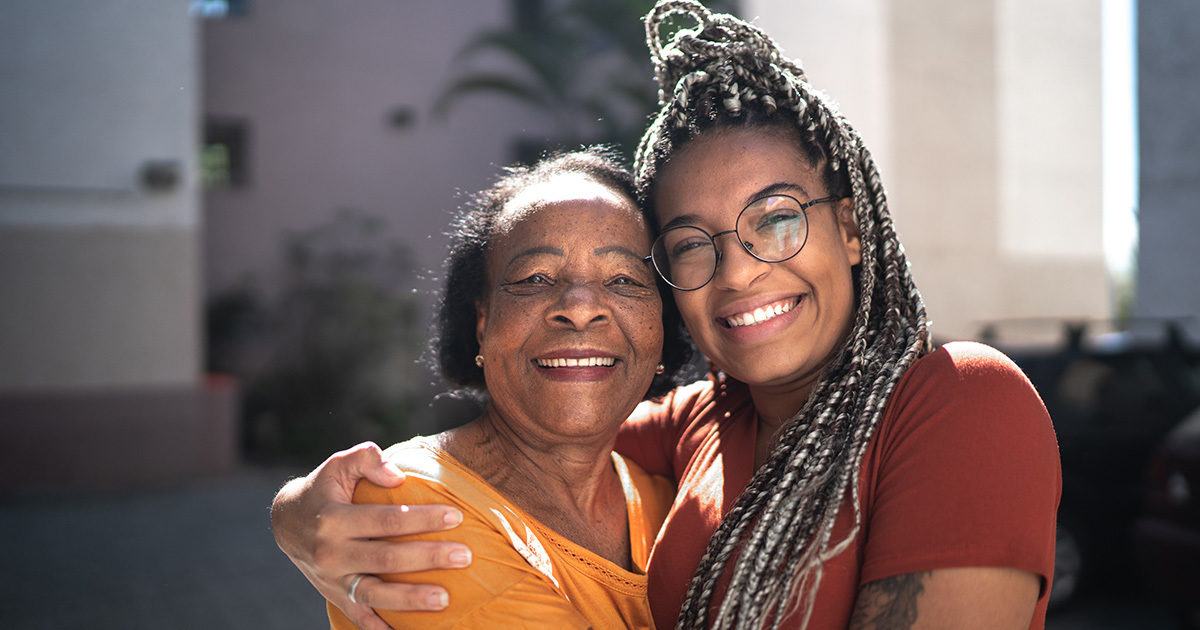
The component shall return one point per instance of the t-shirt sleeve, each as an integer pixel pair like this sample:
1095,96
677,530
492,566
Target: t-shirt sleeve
499,589
652,433
967,471
646,436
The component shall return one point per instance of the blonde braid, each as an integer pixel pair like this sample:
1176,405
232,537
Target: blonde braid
725,72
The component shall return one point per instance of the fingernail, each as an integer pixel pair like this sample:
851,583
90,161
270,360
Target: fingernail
460,557
438,599
452,518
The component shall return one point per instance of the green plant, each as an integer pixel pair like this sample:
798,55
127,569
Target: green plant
582,63
330,359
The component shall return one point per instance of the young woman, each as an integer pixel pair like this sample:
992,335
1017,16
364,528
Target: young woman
833,471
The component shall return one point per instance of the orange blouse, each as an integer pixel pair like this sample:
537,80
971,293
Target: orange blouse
522,573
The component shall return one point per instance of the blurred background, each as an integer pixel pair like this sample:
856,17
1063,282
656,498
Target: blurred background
221,228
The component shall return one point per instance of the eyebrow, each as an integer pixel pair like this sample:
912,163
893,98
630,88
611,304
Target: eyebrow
617,249
534,251
765,191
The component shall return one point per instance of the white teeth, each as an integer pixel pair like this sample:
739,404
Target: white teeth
586,362
759,315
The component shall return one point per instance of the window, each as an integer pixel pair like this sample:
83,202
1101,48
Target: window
224,159
220,8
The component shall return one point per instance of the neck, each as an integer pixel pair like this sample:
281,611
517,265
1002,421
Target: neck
569,484
775,405
577,467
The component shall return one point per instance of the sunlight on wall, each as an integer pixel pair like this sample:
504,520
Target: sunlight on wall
1119,115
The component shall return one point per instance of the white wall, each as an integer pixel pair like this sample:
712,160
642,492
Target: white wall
317,80
984,119
99,275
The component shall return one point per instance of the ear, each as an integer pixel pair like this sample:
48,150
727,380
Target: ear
848,227
481,313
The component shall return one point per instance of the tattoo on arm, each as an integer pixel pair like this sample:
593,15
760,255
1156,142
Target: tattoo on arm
890,603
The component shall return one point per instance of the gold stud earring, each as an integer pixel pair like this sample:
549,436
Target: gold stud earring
479,360
660,369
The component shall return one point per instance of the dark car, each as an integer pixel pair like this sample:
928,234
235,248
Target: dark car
1113,397
1167,536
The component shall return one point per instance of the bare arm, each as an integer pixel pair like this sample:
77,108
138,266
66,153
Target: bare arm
967,597
333,541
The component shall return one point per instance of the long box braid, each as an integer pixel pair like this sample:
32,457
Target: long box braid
781,527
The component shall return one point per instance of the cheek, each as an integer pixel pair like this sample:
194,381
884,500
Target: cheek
691,308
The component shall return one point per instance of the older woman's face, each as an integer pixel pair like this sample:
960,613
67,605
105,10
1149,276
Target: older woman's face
571,323
763,323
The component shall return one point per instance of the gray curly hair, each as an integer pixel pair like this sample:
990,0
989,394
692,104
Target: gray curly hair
724,73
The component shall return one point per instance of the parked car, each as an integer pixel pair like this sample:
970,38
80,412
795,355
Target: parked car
1113,397
1167,536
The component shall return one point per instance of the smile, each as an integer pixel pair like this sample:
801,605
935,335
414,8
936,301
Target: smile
576,363
760,314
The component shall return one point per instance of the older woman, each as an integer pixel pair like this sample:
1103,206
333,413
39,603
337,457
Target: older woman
834,470
550,306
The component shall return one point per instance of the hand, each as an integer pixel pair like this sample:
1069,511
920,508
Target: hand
333,541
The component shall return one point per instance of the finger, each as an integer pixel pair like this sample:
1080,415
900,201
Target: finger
365,618
376,593
366,460
341,521
344,469
376,556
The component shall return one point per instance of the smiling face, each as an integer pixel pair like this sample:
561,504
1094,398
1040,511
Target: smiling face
765,324
571,322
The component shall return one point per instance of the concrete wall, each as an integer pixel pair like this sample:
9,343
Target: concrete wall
1169,126
99,273
317,82
984,119
100,341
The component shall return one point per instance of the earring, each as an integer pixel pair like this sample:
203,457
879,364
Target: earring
479,360
660,369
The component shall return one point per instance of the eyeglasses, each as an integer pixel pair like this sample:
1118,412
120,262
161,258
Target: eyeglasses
772,229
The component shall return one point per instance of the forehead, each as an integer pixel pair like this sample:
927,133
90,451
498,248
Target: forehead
727,168
571,202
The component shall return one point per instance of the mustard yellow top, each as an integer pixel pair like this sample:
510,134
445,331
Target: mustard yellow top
522,573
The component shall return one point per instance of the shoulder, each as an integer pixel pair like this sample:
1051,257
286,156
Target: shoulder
966,395
965,362
968,375
431,476
676,405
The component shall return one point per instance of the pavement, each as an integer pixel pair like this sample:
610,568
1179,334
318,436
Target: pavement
201,555
194,556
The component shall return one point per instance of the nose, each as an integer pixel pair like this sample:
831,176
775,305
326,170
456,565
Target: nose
736,268
579,306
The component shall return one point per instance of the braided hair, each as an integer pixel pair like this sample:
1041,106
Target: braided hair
726,73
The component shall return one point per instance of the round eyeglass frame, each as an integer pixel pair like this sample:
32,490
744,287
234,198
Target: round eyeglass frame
804,206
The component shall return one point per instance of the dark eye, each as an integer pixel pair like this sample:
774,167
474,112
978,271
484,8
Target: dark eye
690,246
778,217
528,285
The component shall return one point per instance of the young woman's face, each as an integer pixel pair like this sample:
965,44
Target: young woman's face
762,323
571,324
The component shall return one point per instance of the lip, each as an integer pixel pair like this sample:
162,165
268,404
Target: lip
576,373
763,330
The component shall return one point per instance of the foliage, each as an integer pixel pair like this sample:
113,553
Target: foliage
582,63
330,359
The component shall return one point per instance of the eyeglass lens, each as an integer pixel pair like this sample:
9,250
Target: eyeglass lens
772,229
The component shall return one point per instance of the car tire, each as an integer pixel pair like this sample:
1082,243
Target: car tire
1069,563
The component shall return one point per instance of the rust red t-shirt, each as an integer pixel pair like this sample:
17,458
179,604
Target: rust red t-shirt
962,471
